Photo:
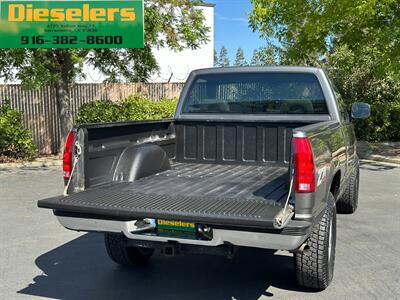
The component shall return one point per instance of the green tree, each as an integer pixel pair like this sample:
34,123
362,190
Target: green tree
309,30
223,58
240,60
265,56
164,26
358,41
215,58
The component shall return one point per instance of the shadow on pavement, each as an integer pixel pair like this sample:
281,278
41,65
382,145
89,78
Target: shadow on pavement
81,269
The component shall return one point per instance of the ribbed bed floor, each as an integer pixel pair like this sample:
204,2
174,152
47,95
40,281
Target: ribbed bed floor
210,180
213,194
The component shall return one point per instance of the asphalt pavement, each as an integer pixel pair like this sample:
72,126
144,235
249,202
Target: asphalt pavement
41,259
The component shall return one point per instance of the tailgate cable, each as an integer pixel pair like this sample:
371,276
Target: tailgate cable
77,155
284,216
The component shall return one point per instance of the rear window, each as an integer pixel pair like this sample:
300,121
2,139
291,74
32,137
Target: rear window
255,93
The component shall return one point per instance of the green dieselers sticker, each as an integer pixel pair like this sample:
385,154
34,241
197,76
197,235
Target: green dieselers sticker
71,24
176,225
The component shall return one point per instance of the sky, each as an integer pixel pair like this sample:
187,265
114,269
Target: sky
232,29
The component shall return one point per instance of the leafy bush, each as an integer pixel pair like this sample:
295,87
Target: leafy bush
15,141
130,109
98,111
360,80
384,122
164,108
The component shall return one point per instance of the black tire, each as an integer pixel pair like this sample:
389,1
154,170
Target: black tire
315,266
122,254
348,202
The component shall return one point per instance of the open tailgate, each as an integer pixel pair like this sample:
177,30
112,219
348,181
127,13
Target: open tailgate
115,201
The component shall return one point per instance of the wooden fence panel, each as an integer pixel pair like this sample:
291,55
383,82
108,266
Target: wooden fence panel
39,107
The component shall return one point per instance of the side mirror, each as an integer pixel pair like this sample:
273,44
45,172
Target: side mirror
360,110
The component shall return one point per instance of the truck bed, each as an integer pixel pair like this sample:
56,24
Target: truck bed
240,195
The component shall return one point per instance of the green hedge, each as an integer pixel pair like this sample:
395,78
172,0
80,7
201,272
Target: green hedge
382,125
15,141
133,108
384,98
360,80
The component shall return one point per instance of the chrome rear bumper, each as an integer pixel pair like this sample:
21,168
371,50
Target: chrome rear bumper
263,240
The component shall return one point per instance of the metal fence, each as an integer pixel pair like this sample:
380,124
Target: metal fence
39,107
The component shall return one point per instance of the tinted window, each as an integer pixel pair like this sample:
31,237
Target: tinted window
256,93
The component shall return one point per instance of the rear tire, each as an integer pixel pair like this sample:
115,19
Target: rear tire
348,202
315,266
119,251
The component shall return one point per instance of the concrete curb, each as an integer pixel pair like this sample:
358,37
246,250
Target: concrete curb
380,158
40,163
380,163
371,151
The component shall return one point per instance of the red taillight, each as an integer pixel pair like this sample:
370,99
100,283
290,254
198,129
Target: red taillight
67,157
304,168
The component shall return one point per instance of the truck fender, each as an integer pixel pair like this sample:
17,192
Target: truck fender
333,171
138,161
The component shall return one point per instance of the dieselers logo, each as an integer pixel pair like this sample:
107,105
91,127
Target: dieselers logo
67,24
28,13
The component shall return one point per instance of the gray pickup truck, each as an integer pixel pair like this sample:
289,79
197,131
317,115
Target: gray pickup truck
254,157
